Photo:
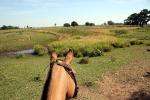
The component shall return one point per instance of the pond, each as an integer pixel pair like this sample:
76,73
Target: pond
28,51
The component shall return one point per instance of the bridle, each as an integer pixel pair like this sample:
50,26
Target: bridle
70,72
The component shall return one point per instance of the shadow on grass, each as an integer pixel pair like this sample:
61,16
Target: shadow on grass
140,95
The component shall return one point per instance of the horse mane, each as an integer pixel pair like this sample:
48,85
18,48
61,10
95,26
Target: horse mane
47,84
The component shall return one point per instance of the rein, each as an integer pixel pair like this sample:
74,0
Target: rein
71,74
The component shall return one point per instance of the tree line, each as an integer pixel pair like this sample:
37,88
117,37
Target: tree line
4,27
74,23
141,18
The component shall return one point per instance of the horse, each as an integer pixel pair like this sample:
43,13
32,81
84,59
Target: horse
61,83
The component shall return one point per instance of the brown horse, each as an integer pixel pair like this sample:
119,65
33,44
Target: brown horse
61,83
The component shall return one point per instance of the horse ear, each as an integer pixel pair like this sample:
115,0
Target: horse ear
53,56
69,57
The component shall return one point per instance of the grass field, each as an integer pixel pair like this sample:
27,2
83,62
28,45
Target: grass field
18,76
13,40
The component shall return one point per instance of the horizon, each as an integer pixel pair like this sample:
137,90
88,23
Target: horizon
45,13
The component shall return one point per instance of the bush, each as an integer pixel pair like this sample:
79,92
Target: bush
110,22
66,25
148,44
4,27
84,61
148,50
88,84
79,54
96,53
118,32
74,23
106,47
120,44
40,50
37,78
18,56
89,24
136,42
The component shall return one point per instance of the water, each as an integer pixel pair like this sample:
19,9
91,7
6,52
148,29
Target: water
28,51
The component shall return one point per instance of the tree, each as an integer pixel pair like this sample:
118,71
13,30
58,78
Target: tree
4,27
110,22
66,25
141,18
144,17
74,23
89,24
55,24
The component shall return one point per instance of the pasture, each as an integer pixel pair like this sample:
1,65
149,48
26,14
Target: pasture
23,78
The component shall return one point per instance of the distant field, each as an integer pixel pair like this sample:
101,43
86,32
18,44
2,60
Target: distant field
12,40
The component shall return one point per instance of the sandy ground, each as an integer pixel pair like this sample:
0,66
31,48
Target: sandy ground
132,82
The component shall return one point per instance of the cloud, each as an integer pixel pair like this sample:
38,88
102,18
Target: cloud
129,1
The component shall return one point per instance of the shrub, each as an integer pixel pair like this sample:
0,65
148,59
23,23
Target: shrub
148,50
88,84
136,42
4,27
66,25
40,50
106,48
89,24
84,61
87,51
74,23
110,22
148,44
18,56
118,32
78,54
37,78
95,53
120,44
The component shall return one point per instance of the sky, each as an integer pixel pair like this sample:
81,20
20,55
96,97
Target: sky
45,13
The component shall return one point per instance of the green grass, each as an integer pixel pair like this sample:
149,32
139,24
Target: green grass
19,40
18,75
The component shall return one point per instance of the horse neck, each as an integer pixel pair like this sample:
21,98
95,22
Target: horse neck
57,89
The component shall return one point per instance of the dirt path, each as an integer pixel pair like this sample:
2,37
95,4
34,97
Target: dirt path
132,82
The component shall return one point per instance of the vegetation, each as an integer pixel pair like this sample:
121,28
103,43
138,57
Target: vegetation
20,39
95,45
18,56
141,18
89,24
66,25
4,27
74,23
40,50
84,61
119,32
24,78
110,22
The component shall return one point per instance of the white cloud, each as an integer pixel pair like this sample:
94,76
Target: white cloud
129,1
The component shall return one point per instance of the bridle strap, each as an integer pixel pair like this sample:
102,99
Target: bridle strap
70,72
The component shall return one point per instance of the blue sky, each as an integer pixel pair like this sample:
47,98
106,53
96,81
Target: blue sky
43,13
